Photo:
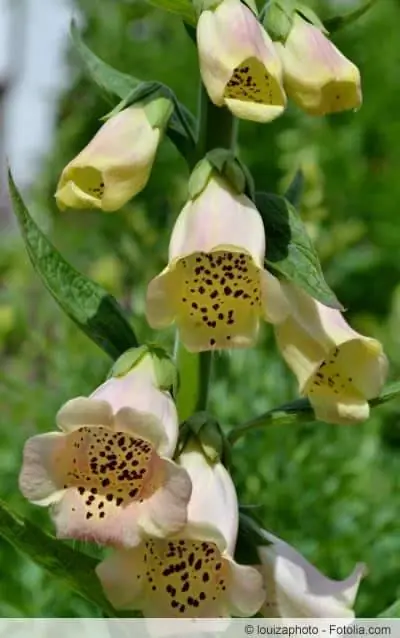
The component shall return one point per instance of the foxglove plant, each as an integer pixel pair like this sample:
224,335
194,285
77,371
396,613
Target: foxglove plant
141,466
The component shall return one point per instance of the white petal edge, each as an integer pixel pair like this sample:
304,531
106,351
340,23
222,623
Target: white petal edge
275,305
165,512
81,411
36,480
121,576
246,590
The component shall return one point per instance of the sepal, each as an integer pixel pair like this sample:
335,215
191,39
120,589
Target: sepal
228,166
205,430
164,368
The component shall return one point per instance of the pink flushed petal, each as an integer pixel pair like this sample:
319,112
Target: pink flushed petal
74,519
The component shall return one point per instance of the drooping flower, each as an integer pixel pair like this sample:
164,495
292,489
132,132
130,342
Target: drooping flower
296,589
338,369
106,475
191,574
116,164
238,64
316,75
215,287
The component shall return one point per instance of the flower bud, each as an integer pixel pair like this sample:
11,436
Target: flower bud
315,73
116,164
238,63
338,369
215,287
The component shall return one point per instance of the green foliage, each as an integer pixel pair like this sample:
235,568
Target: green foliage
291,251
333,492
94,310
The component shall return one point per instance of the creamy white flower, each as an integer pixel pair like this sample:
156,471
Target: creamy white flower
316,75
106,475
191,574
215,287
296,589
337,368
238,64
114,166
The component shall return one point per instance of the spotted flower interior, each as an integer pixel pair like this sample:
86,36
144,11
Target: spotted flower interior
251,82
184,578
89,180
219,296
108,469
332,377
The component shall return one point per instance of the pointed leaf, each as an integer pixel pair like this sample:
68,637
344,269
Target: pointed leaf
94,310
289,249
295,190
338,22
182,8
72,567
391,612
111,81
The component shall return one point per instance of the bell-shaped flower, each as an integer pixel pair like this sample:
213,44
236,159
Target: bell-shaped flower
238,63
316,75
190,574
115,165
107,475
215,287
338,369
296,589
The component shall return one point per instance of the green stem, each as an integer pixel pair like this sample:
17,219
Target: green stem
217,129
299,411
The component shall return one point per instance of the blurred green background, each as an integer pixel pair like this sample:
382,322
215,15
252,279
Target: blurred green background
333,492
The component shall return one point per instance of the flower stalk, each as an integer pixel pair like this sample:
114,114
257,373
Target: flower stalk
217,129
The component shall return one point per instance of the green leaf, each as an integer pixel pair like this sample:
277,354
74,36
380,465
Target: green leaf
250,536
391,612
182,8
295,190
338,22
290,251
72,567
94,310
109,80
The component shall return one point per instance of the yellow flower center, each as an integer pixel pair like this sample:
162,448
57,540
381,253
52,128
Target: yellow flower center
338,96
251,82
187,578
89,180
331,378
219,294
108,468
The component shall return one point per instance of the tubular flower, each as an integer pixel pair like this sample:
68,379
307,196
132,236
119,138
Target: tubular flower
114,166
191,574
338,369
315,73
214,286
296,589
106,475
238,64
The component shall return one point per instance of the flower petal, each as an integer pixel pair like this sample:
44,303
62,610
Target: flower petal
160,300
146,426
344,411
82,411
238,62
218,217
246,592
220,511
114,166
274,303
121,576
39,481
296,589
165,512
316,74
